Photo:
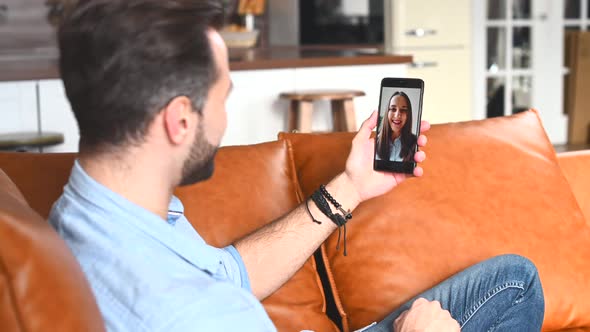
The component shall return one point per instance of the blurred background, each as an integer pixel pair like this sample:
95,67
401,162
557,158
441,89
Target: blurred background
479,58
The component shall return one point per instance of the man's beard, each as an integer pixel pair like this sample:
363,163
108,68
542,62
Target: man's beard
200,163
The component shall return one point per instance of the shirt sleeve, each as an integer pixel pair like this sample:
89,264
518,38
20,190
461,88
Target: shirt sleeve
209,306
235,269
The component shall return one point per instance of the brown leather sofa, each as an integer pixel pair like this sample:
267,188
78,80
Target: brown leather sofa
490,187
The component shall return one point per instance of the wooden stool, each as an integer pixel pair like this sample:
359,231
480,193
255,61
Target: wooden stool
301,108
25,141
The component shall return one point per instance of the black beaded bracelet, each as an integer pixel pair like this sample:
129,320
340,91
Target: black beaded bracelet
345,214
319,198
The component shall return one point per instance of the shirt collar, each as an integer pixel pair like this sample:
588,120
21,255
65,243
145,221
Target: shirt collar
188,245
175,210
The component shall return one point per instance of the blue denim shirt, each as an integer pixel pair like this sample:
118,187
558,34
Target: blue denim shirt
148,274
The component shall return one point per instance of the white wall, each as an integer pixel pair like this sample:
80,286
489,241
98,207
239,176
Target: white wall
18,107
256,114
56,115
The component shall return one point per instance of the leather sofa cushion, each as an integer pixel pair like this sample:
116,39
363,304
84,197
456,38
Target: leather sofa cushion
490,187
42,288
576,168
253,185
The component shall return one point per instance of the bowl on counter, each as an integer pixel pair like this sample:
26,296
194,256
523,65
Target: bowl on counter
239,39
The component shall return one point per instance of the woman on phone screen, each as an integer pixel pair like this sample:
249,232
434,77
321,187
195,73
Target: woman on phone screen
395,140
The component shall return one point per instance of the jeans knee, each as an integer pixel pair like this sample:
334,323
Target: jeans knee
517,266
521,268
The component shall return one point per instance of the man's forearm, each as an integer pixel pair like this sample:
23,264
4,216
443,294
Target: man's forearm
275,252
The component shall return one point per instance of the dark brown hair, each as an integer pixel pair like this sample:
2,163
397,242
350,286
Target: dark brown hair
122,61
408,139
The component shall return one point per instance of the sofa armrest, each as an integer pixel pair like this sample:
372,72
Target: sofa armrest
576,168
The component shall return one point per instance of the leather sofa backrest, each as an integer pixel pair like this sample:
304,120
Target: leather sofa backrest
42,287
39,176
490,187
576,168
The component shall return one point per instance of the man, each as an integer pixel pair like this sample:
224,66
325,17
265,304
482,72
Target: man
147,81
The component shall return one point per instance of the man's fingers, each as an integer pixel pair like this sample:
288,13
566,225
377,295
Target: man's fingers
367,127
401,317
421,300
436,304
420,156
369,124
424,126
422,140
456,325
418,171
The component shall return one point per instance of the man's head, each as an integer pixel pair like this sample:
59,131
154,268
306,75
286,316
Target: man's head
142,72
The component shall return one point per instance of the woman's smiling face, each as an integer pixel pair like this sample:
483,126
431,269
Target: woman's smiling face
397,114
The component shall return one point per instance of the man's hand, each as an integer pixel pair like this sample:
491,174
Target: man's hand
426,316
275,252
359,165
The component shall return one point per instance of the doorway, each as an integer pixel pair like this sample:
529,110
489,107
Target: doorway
518,57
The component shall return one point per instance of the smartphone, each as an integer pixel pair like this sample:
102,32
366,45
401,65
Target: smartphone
398,126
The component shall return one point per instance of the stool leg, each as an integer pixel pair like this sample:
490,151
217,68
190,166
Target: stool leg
343,115
349,116
338,121
304,116
293,115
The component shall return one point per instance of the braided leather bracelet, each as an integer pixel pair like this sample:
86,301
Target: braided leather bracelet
319,198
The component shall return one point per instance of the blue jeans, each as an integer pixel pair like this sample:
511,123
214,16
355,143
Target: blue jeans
500,294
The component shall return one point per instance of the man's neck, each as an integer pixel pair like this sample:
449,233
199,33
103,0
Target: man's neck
139,180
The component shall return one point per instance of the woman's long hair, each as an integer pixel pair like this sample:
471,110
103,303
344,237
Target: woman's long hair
408,139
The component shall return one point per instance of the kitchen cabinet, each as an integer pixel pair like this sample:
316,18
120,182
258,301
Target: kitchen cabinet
420,24
447,90
438,35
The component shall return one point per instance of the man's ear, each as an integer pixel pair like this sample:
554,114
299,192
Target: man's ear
179,119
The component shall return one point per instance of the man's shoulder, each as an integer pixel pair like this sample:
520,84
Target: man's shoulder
73,218
62,210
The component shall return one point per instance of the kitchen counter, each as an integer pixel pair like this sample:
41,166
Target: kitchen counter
43,64
28,69
311,56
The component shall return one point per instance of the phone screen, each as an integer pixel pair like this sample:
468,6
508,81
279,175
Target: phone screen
398,127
